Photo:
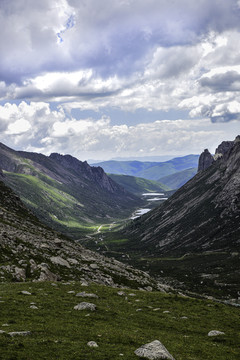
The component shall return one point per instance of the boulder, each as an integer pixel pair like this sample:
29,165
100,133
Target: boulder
154,350
59,261
84,294
92,344
85,306
215,333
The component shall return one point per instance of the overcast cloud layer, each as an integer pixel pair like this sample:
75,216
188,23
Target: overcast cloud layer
99,57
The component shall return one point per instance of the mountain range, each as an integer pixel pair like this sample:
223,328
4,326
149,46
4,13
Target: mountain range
150,170
192,240
65,193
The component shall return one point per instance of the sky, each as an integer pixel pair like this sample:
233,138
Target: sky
119,78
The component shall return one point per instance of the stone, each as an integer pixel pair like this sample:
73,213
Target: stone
93,266
92,344
20,274
148,288
19,333
33,307
154,350
121,293
24,292
215,333
59,261
2,332
72,261
85,306
47,275
84,294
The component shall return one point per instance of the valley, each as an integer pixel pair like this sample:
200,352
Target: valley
149,260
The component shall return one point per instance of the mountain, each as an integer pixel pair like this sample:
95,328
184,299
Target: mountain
194,236
150,170
178,179
65,193
30,251
137,185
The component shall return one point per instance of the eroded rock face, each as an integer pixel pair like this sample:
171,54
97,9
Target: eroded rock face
223,149
205,160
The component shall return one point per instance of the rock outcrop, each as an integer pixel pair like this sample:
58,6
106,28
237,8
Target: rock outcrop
222,152
205,160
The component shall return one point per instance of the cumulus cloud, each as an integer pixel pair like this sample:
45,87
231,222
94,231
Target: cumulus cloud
35,127
115,54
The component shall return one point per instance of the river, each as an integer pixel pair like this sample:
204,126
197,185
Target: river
151,198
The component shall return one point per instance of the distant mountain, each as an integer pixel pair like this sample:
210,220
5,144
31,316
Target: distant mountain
137,185
150,170
30,251
65,193
178,179
194,236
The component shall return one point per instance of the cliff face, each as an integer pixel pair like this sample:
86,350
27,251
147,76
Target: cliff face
202,215
206,159
94,174
195,235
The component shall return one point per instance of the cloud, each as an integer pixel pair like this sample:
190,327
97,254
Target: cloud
35,127
125,54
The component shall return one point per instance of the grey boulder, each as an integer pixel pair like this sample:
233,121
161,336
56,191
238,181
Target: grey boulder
154,350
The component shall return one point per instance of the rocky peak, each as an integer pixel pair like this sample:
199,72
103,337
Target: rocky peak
205,160
95,174
223,150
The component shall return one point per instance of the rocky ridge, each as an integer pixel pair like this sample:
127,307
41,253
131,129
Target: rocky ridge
65,192
199,225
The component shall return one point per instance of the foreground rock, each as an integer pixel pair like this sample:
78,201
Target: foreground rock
92,344
87,295
85,306
154,350
19,333
215,333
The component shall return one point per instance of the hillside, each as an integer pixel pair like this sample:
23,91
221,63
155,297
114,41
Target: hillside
31,251
65,193
150,170
138,186
192,240
178,179
198,225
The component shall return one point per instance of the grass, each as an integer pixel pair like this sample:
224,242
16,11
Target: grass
118,326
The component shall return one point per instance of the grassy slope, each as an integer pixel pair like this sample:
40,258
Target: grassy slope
176,180
138,185
118,326
59,206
